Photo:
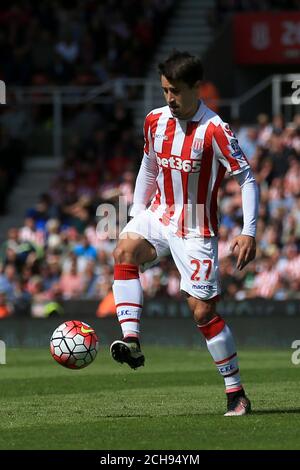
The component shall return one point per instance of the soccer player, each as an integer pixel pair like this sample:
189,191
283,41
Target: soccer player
188,149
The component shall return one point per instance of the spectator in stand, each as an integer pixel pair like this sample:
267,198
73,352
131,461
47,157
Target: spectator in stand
11,242
8,282
90,279
264,130
291,270
267,280
173,285
248,141
85,249
51,273
71,283
29,233
224,242
54,240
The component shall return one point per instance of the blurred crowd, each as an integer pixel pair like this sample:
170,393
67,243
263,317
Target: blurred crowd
81,42
11,164
62,251
59,253
273,149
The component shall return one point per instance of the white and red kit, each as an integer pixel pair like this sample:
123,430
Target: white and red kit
184,163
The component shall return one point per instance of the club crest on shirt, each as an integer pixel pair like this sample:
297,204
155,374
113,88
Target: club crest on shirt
198,145
197,148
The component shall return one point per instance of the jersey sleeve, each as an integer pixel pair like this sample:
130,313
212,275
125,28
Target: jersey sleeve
250,201
148,146
228,151
146,179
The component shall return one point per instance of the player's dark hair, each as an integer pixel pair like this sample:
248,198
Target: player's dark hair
182,66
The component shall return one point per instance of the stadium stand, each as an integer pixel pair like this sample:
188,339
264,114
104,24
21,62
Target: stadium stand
12,151
80,42
58,254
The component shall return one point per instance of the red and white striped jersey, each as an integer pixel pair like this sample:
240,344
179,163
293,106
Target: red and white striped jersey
186,161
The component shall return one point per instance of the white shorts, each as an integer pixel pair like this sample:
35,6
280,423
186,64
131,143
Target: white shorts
196,258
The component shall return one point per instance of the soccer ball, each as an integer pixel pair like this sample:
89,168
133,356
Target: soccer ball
74,344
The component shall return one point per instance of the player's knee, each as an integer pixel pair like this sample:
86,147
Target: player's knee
124,255
204,312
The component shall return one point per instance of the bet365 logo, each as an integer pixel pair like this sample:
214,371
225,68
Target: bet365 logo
296,354
2,92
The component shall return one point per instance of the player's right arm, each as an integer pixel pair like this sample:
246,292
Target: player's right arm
146,180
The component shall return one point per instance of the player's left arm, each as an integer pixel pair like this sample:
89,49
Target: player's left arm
229,153
245,242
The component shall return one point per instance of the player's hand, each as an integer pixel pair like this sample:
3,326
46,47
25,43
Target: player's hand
245,246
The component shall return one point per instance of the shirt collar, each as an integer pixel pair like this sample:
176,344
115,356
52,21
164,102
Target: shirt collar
200,112
197,116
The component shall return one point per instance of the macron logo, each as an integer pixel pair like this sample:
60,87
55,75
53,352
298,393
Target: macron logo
160,136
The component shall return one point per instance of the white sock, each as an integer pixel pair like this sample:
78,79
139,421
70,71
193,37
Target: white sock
128,296
221,346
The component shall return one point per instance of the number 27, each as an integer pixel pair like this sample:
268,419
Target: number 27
197,263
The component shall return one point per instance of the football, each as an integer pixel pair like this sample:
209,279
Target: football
74,344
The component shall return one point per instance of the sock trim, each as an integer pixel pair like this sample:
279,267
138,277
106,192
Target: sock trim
128,304
235,389
135,320
227,359
213,327
125,272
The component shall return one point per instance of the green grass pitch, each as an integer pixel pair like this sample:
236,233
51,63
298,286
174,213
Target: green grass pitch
176,401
